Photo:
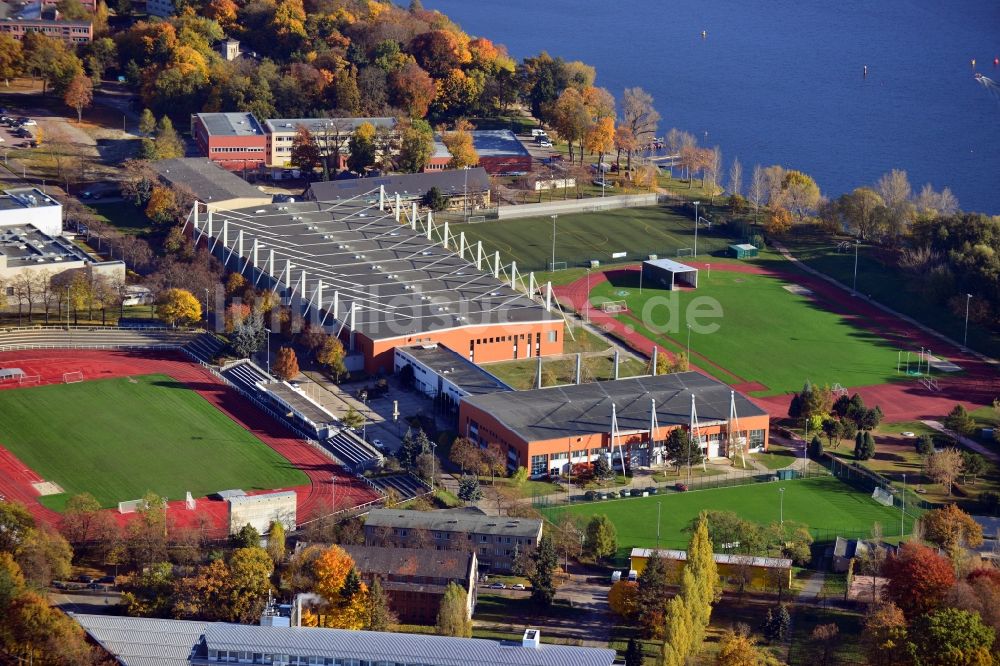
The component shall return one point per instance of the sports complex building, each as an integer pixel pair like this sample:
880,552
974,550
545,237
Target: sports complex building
365,274
627,420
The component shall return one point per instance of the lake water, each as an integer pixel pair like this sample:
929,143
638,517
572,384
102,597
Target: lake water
781,82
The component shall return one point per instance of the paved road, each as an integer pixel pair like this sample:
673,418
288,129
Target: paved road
86,601
966,441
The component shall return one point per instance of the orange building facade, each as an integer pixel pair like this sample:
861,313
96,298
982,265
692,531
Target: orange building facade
572,445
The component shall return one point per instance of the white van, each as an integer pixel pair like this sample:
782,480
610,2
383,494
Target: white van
633,575
616,576
537,132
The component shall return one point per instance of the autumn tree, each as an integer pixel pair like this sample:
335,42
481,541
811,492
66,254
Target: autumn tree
652,596
460,145
162,205
571,119
305,152
600,537
331,357
345,595
623,598
44,556
738,648
87,525
951,529
884,637
11,58
945,466
918,578
465,453
276,541
959,420
250,570
453,614
178,306
352,418
412,89
361,148
79,94
168,142
778,222
286,364
600,138
640,119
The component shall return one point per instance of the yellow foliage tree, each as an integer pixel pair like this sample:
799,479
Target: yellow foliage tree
778,222
345,608
178,306
331,356
162,205
600,137
623,598
459,144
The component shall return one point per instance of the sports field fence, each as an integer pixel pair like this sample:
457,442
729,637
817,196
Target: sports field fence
857,475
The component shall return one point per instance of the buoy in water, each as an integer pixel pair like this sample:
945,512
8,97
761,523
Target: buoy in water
704,34
865,72
973,62
996,61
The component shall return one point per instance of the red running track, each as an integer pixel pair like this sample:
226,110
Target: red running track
977,386
315,498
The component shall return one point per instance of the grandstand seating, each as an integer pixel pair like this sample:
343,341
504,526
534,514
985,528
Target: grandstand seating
245,376
205,347
404,484
96,337
354,452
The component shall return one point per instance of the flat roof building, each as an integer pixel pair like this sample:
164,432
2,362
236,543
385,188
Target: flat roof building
20,206
457,185
234,141
281,133
550,428
501,152
741,571
142,641
210,183
496,541
27,248
667,273
18,19
380,284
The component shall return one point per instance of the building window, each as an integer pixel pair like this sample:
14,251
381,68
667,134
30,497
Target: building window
553,336
539,465
756,439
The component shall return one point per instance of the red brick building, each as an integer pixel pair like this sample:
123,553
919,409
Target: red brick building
234,141
49,24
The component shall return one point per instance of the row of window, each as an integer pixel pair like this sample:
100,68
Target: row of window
233,149
246,657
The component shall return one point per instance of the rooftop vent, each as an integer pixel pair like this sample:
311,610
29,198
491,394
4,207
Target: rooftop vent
532,639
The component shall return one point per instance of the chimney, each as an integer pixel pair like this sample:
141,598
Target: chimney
532,639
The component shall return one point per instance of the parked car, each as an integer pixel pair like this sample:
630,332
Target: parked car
545,142
635,492
26,122
652,490
623,492
85,579
517,586
498,586
590,495
600,182
680,487
106,580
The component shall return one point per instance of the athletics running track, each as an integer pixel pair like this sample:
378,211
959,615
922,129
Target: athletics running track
314,499
979,385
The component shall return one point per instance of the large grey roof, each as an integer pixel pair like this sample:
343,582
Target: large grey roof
579,409
285,125
497,143
231,124
398,648
423,562
457,369
139,641
454,521
451,182
209,182
402,283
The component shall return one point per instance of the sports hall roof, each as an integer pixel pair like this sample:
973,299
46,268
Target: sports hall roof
580,409
402,283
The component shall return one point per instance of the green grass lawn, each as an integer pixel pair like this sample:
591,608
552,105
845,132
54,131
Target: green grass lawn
825,504
886,284
123,216
117,440
581,237
765,333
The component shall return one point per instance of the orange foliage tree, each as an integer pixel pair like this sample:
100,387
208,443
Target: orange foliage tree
286,364
623,598
919,578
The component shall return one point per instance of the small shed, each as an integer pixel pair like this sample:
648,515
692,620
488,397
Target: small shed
743,250
667,273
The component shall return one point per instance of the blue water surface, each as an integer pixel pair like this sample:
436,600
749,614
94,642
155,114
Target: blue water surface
781,82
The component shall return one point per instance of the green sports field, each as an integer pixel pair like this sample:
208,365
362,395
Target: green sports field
824,503
581,237
766,333
119,438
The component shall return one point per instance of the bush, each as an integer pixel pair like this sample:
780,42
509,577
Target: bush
925,445
816,447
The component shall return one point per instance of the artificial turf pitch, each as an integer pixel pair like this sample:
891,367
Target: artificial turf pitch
119,438
765,334
826,505
581,237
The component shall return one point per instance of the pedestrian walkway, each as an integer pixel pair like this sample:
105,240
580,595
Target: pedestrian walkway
965,441
812,587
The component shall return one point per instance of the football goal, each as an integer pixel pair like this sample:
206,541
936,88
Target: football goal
72,377
613,307
882,496
29,380
685,252
557,265
838,390
477,219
